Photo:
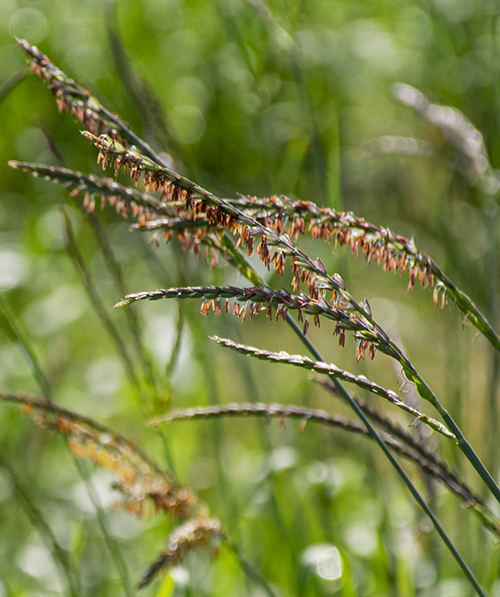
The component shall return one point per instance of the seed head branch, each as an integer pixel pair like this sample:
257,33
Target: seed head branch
331,370
459,133
194,534
143,485
258,298
378,244
83,106
424,458
142,205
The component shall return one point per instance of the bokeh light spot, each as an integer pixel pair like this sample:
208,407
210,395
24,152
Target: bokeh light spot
29,24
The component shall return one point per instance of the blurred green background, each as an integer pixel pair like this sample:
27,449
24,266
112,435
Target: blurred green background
283,97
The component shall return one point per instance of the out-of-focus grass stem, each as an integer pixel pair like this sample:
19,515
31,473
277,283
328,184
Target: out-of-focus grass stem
77,258
12,328
12,82
111,543
37,519
285,44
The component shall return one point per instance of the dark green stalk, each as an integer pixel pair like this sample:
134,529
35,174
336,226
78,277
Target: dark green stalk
491,219
395,430
180,258
413,490
426,393
361,415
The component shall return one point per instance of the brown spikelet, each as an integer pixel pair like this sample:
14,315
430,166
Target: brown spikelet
195,534
306,326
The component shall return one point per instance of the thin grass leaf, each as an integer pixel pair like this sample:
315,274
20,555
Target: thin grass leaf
149,107
286,45
38,521
9,85
98,305
110,540
133,322
12,328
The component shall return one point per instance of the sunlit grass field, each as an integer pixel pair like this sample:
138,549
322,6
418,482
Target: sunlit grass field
292,97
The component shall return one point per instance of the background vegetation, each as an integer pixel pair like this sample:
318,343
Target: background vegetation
291,97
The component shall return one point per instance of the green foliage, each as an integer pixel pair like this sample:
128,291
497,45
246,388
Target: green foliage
242,96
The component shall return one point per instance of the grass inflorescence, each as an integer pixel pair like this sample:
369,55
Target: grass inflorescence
161,201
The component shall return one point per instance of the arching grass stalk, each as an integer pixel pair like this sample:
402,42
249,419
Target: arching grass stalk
399,469
412,374
361,415
403,444
425,392
84,107
372,431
